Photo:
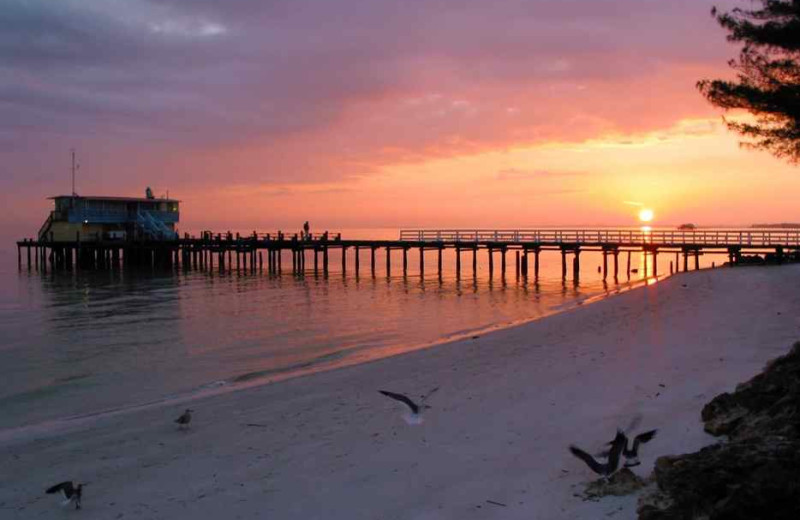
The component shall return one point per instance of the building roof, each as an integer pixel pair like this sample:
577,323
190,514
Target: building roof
115,199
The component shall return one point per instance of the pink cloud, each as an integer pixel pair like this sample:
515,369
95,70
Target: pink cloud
187,95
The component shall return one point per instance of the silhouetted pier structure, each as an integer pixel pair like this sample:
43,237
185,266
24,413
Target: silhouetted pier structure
258,251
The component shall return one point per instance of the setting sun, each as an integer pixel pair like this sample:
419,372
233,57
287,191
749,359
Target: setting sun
646,215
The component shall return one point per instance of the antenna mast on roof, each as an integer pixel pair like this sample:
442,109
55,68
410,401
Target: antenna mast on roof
75,166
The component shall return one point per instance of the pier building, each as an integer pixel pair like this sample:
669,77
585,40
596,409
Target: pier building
102,218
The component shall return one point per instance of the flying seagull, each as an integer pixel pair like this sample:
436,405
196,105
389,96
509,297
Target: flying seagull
184,419
617,445
71,490
632,454
415,417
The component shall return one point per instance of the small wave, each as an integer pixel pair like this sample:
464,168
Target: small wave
207,389
214,384
319,360
69,379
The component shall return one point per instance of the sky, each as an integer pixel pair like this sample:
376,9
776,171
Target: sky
261,114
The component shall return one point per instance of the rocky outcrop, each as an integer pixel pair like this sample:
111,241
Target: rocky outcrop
756,473
767,404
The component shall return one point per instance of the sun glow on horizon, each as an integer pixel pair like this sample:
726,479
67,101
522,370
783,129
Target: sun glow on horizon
646,215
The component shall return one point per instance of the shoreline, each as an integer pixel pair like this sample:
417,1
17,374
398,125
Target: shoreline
248,381
329,446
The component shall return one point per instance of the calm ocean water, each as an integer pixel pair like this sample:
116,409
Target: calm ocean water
75,344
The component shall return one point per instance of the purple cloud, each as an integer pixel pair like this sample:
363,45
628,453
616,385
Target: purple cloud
311,89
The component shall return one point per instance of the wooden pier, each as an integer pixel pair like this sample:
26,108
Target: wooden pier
265,251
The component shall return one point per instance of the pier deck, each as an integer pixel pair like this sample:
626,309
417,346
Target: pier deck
230,251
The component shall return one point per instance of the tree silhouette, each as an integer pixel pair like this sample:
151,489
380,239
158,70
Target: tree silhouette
768,76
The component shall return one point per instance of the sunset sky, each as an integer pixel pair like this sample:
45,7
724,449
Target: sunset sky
261,114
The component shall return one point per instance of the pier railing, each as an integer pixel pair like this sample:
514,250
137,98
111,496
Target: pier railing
621,237
270,236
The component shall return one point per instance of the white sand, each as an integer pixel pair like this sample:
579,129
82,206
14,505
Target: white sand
510,402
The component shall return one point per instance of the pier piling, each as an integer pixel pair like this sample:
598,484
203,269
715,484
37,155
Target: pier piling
525,263
629,265
576,268
475,262
644,255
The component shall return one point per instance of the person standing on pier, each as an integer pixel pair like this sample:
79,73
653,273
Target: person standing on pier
306,228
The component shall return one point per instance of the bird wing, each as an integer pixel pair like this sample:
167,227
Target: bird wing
65,487
588,459
619,432
402,398
644,437
426,396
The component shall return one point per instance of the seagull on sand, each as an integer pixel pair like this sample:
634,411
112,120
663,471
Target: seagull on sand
610,466
415,417
72,492
184,419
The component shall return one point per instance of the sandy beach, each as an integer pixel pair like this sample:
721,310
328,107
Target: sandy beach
493,445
